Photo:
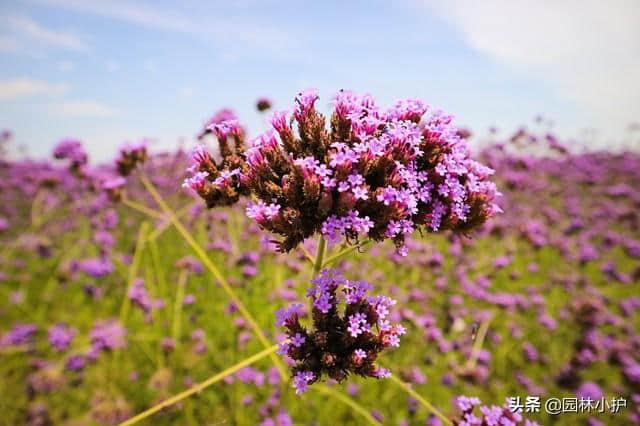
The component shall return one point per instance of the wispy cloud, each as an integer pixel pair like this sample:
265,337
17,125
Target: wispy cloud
227,33
24,31
9,44
82,108
24,87
588,50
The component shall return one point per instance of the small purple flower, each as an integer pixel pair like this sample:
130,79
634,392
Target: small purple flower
60,336
297,340
107,334
301,380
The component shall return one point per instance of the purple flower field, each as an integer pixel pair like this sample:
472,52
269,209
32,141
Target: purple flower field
350,269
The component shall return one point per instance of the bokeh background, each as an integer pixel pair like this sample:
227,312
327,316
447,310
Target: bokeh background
109,306
108,71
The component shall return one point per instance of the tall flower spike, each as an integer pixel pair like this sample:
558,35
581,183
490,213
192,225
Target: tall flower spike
340,341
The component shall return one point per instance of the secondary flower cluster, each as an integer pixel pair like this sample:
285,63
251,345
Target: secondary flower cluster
374,172
338,343
488,416
220,183
73,151
131,155
225,114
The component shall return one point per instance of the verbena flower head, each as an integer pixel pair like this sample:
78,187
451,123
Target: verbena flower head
487,415
139,296
60,336
380,173
18,335
349,330
131,155
72,150
114,187
220,183
225,114
107,334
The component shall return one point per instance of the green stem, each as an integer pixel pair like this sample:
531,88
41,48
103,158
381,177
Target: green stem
346,400
177,307
477,345
155,260
214,271
345,252
133,271
142,208
407,387
199,387
322,246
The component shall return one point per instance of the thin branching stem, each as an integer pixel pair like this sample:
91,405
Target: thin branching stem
200,386
133,270
177,307
214,271
320,252
142,208
332,259
346,400
407,388
477,345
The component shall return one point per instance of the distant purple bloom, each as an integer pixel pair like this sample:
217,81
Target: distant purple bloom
60,336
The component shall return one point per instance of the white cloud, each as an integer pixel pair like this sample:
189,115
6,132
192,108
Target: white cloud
9,44
82,108
29,29
204,24
25,87
588,50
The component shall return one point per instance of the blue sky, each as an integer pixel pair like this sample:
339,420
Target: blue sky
111,71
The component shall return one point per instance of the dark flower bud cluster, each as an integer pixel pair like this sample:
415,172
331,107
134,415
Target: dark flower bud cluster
373,172
220,183
349,330
131,155
263,104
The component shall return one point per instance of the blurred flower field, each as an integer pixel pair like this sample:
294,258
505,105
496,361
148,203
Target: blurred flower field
120,292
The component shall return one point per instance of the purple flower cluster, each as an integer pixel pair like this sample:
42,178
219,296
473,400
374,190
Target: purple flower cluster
60,336
338,343
139,296
71,150
376,173
131,155
220,183
488,415
97,267
220,116
113,186
107,334
18,335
